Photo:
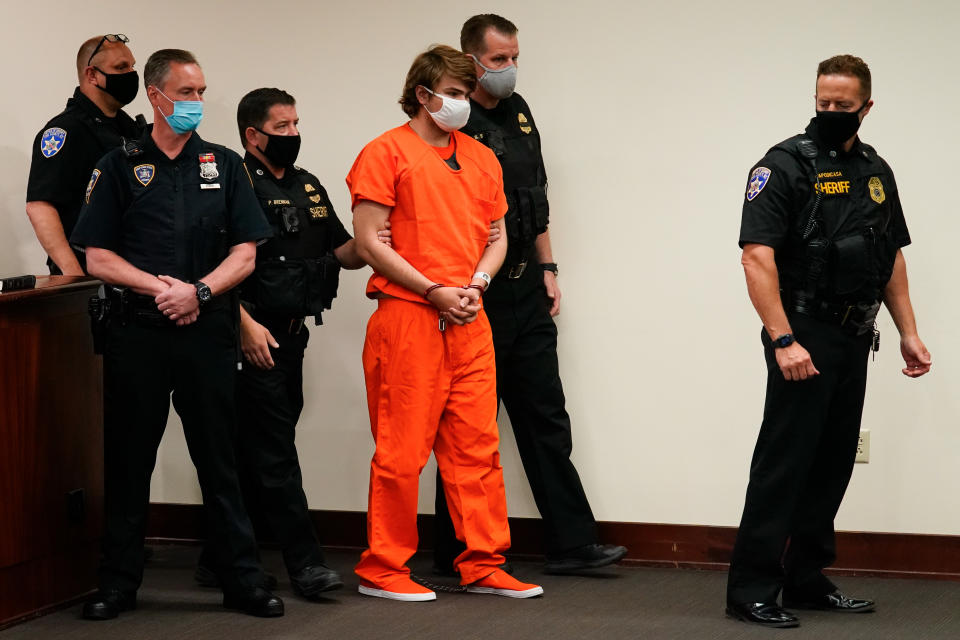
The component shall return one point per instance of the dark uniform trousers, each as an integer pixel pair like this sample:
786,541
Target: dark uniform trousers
528,383
801,466
144,363
269,403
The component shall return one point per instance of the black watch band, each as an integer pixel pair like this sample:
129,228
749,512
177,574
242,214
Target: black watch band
785,340
203,293
550,266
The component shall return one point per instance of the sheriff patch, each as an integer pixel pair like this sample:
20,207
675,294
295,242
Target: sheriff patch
876,190
144,173
90,185
52,141
758,180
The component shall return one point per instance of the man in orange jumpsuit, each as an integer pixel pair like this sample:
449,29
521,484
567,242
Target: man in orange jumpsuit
428,357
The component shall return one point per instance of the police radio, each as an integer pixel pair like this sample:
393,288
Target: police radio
290,221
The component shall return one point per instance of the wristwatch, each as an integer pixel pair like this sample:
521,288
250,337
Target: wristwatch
550,266
203,293
785,340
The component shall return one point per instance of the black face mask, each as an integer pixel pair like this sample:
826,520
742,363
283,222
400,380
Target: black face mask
836,127
122,86
281,151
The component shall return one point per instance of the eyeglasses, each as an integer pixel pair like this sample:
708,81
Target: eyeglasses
110,37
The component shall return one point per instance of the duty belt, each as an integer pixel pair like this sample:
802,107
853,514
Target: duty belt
856,317
292,325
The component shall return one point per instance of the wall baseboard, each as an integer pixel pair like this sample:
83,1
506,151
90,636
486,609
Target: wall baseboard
900,555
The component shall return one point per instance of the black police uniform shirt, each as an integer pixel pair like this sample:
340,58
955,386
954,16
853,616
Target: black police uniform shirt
320,231
174,217
509,130
859,194
66,151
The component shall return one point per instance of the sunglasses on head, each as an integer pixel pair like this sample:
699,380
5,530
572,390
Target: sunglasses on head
110,37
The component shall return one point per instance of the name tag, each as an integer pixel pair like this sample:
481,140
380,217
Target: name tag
209,185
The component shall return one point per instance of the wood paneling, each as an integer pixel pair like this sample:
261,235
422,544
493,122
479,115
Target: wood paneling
657,545
51,445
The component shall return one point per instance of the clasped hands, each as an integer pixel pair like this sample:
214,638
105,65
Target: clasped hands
457,305
178,301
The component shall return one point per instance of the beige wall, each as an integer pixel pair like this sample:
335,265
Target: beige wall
651,115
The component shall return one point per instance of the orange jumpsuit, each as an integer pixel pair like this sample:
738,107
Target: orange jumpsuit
429,389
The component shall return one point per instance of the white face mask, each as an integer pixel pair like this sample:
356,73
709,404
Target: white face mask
452,115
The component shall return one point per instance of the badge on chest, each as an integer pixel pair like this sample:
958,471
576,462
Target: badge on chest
208,171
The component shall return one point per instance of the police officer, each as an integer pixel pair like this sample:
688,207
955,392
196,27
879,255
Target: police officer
296,276
821,233
68,147
171,225
521,303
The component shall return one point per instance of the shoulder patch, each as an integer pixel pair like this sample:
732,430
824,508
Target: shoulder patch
90,185
52,141
758,180
144,173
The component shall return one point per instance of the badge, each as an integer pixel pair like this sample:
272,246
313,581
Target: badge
522,119
758,180
90,185
315,198
144,173
308,188
876,190
208,167
318,212
52,141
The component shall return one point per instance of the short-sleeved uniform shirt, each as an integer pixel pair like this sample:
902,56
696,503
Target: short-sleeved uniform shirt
319,231
509,130
511,133
66,150
171,217
859,199
440,217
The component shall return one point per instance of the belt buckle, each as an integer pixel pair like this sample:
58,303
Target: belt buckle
846,314
517,270
296,324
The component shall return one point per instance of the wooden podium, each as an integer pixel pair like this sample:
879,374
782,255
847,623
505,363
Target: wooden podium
51,447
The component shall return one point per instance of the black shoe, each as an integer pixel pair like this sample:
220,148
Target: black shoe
107,604
835,601
762,613
589,556
314,580
207,577
259,602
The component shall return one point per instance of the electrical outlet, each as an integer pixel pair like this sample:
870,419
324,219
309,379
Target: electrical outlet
863,446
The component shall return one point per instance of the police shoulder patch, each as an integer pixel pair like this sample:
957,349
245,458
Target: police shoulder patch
52,141
876,190
144,173
758,180
90,185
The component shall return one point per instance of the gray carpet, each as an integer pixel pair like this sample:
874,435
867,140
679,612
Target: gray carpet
617,603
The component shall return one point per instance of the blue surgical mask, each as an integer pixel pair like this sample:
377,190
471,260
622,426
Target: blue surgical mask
186,115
